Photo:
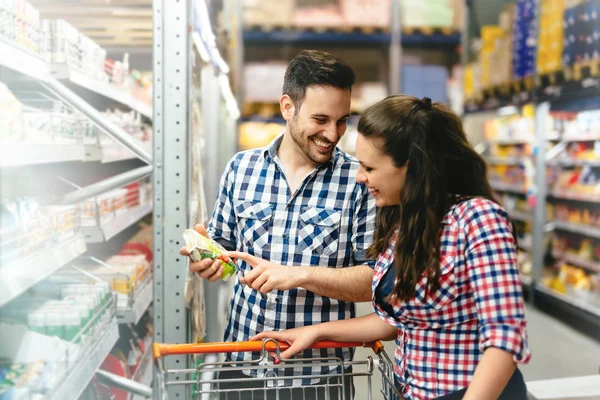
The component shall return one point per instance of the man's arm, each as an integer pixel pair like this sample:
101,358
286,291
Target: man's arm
345,284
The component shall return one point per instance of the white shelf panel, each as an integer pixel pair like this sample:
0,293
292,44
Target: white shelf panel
520,215
581,138
145,372
23,61
572,163
577,261
578,228
118,224
103,88
510,141
503,187
83,371
139,307
590,303
20,275
19,154
505,160
576,196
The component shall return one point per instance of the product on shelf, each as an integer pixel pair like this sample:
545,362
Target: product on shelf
255,134
515,175
580,181
581,33
26,227
431,13
321,15
515,127
581,215
262,13
524,38
201,247
551,36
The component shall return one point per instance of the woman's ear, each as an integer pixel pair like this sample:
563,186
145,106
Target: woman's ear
288,109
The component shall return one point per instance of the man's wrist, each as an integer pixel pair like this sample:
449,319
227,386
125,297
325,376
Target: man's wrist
304,276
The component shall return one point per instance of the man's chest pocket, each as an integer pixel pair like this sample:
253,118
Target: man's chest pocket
255,222
319,230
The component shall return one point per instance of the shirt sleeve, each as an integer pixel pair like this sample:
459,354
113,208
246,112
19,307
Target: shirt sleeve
222,225
363,226
492,267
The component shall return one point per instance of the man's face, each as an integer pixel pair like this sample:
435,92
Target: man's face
320,123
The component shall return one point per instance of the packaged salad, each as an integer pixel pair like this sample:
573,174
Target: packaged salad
201,247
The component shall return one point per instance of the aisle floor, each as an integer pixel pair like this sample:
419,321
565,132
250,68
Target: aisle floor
559,351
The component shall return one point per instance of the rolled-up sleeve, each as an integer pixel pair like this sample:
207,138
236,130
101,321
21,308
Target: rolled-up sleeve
223,221
363,226
494,279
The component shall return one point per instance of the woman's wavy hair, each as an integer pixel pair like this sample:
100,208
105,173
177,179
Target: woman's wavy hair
442,169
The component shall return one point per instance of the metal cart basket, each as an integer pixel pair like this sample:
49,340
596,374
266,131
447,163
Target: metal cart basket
272,382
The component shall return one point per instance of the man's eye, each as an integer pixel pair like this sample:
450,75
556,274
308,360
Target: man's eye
342,121
320,121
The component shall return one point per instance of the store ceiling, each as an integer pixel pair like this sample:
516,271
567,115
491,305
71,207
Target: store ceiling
110,23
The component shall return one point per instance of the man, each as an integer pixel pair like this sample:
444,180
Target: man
297,217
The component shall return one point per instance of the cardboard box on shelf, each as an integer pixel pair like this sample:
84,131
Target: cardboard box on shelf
371,13
265,13
263,81
324,16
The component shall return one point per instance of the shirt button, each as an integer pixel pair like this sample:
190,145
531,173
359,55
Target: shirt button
284,235
277,299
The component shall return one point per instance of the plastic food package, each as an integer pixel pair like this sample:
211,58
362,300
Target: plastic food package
201,247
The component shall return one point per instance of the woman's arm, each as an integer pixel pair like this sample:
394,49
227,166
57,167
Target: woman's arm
363,329
491,375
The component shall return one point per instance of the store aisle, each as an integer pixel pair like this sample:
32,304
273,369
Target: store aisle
559,351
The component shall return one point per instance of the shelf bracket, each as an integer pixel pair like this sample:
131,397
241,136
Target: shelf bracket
120,382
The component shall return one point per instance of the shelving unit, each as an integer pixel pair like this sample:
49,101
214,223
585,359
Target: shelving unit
32,80
144,373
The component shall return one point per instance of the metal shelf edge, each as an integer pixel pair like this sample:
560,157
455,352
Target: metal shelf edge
81,374
581,304
578,228
22,61
140,305
17,277
21,154
144,376
119,223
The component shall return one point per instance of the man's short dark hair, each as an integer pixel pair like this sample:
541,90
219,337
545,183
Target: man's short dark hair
313,67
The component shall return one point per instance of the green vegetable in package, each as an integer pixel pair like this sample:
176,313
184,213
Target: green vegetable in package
201,247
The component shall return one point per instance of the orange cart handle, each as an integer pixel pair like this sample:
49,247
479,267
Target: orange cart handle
162,349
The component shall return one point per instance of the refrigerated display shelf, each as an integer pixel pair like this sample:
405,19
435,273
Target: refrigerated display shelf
106,154
508,187
578,228
21,154
576,196
20,275
520,215
102,88
33,66
144,373
102,233
138,308
23,61
590,304
82,372
577,261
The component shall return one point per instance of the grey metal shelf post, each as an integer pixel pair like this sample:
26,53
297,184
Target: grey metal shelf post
172,71
396,48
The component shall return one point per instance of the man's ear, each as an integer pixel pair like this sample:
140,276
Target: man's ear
288,109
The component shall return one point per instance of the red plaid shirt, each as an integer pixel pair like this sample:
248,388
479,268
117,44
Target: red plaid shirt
479,305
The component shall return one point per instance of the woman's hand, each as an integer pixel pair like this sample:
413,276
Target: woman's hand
299,339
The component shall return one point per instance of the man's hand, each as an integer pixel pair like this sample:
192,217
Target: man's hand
207,269
266,276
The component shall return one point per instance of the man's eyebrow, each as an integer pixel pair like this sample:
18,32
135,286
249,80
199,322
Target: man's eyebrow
327,116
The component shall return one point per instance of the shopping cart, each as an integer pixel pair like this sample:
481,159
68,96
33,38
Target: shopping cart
204,382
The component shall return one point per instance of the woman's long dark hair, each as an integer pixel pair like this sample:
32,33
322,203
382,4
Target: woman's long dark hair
442,169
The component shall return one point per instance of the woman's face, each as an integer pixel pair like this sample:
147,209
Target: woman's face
378,171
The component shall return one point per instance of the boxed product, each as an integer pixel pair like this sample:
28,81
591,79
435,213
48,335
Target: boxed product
265,13
263,81
370,13
322,16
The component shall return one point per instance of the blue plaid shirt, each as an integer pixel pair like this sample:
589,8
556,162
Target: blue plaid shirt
329,221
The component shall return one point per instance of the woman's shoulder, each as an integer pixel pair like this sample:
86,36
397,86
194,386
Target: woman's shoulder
478,210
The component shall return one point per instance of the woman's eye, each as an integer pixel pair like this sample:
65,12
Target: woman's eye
368,169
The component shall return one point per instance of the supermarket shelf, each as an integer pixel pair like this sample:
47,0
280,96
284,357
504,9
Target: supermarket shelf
354,37
144,373
583,138
139,307
505,160
573,163
20,275
578,228
110,153
521,215
81,373
577,261
99,234
576,196
524,246
103,88
27,63
590,304
511,141
22,61
526,280
20,154
503,187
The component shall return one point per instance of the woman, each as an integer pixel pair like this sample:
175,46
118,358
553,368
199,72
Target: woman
446,284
